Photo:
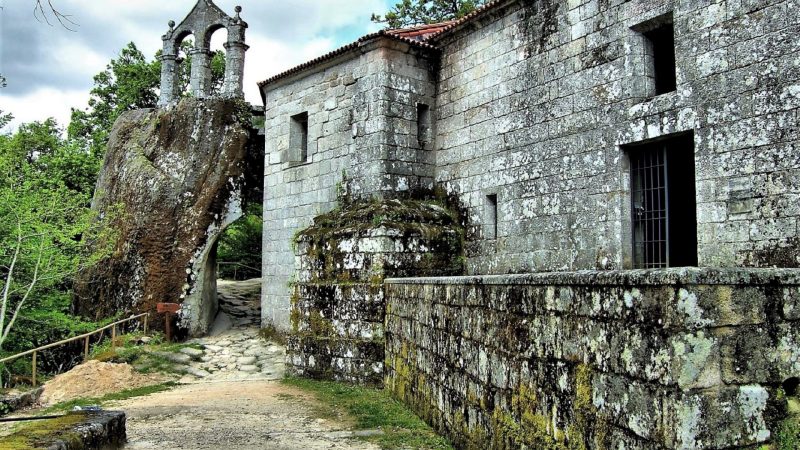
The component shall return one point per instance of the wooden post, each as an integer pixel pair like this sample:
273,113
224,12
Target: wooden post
145,323
86,349
168,309
113,336
168,326
33,370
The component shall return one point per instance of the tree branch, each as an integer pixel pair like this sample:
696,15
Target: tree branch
10,278
32,284
40,12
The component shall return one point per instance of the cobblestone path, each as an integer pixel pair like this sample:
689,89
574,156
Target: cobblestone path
230,399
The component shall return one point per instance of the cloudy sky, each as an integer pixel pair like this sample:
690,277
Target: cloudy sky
49,69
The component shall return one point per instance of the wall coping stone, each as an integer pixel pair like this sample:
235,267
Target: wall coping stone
684,275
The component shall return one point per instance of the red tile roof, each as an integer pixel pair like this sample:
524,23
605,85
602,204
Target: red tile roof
421,32
418,36
454,24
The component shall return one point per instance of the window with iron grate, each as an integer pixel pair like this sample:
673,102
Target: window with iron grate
663,203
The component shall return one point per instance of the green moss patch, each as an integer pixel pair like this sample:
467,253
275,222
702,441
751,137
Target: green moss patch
42,434
371,409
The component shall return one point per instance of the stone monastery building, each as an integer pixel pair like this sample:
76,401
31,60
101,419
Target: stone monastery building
623,185
576,134
550,224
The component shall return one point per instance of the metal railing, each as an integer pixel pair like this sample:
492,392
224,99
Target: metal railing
85,337
236,267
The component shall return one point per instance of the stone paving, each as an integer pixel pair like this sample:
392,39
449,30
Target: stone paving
238,354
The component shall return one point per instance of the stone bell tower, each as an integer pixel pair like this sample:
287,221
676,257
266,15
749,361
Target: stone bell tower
204,19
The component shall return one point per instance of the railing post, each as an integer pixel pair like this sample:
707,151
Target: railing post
33,370
86,349
114,336
145,323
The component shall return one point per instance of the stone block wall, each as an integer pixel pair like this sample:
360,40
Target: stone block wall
338,304
361,110
679,358
537,99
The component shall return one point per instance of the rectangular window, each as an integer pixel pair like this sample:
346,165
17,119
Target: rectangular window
423,124
663,203
298,137
659,54
491,216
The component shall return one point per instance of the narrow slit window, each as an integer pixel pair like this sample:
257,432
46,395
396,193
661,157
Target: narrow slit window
659,54
491,216
663,203
423,124
298,137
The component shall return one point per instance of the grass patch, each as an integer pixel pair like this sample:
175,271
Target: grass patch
372,409
271,334
788,436
129,349
116,396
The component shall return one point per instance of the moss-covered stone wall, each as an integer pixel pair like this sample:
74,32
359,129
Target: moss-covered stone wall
677,358
338,303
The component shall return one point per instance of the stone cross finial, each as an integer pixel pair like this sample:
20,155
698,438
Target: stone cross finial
204,19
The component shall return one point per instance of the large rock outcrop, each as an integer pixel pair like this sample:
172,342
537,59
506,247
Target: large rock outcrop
172,180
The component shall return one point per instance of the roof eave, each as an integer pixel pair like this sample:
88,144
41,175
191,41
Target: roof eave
335,54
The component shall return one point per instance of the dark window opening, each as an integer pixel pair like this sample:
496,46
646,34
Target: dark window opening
660,54
491,216
663,203
790,386
423,124
299,136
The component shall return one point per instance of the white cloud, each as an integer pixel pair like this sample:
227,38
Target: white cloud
42,104
50,69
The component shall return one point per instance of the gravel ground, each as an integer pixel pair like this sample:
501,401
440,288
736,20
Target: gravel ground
232,416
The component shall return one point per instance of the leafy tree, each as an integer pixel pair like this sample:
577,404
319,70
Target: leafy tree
5,118
419,12
44,230
130,81
46,227
241,244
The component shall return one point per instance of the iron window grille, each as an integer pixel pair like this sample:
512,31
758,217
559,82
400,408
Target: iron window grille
663,203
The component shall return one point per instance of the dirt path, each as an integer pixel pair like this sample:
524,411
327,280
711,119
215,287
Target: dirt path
231,416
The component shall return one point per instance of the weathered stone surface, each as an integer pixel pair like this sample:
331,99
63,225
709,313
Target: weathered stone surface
172,178
241,300
202,22
15,401
676,358
338,305
177,358
534,102
192,352
81,430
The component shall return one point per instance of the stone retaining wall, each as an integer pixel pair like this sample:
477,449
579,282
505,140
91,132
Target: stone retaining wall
677,358
81,430
338,302
14,402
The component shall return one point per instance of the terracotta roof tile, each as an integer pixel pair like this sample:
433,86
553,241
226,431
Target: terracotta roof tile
469,17
421,32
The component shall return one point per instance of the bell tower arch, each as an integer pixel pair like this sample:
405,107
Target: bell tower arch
204,19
